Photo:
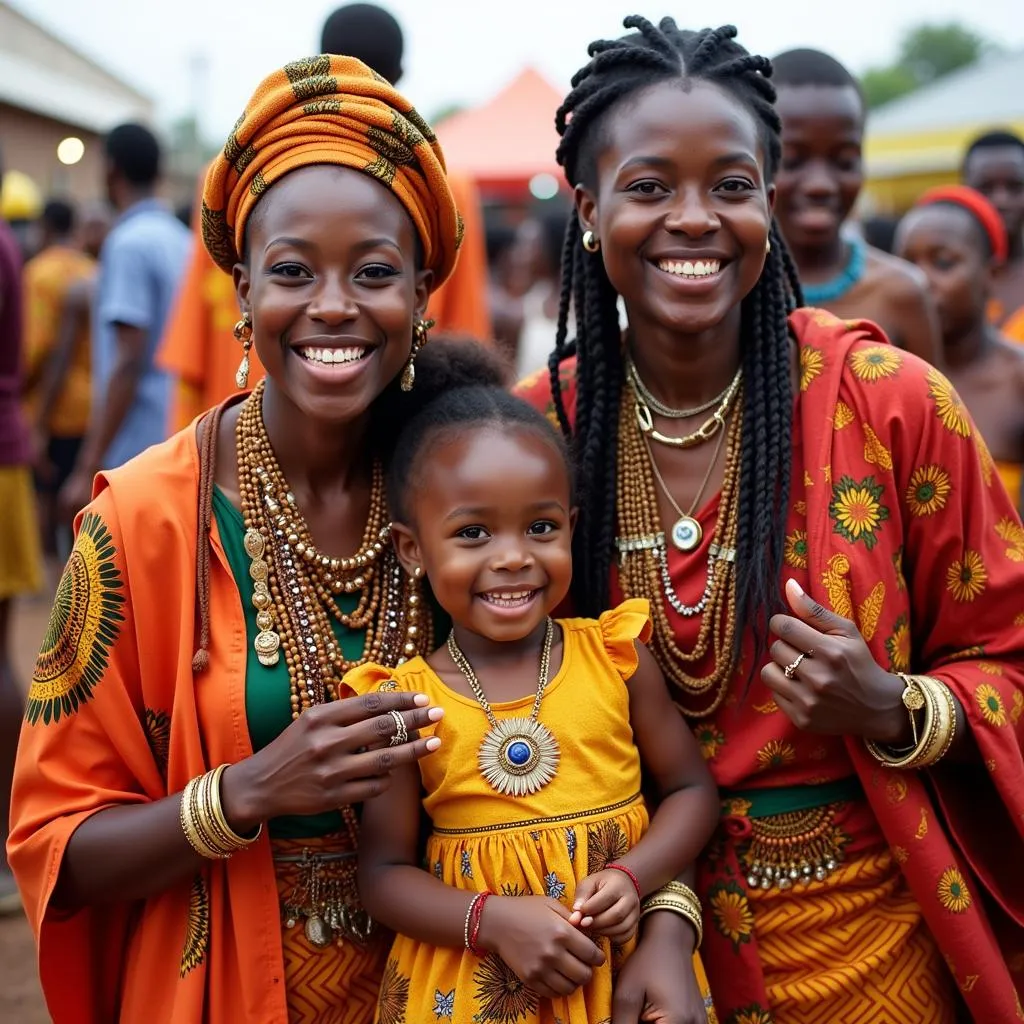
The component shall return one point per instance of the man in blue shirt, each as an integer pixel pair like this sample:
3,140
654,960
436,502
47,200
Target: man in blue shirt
141,264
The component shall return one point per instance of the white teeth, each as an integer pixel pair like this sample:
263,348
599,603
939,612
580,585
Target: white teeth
690,268
331,356
509,599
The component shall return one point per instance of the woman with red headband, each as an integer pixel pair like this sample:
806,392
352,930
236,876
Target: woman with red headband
956,236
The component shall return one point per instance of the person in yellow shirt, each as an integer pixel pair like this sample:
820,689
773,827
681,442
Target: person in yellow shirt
57,287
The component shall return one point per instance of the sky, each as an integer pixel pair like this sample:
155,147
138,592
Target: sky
207,55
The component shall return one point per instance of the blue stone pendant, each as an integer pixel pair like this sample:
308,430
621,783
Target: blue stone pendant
687,534
518,757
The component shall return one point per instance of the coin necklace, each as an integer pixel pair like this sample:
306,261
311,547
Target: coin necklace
518,756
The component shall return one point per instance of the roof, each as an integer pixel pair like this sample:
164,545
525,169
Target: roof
43,74
509,139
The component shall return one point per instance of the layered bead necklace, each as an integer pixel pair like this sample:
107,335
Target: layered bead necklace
643,561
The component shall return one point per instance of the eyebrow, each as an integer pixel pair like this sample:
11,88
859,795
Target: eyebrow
304,243
661,161
469,511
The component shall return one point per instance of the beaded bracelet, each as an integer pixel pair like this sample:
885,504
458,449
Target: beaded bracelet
478,916
632,877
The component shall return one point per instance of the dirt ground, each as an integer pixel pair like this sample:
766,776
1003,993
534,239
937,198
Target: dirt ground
21,1001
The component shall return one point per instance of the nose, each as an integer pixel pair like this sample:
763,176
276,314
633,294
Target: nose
511,555
818,181
332,302
691,214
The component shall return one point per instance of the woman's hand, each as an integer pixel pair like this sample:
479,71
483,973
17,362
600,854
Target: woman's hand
837,688
657,982
330,756
532,934
607,904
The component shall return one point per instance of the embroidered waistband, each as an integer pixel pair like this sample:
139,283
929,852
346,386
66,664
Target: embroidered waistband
558,819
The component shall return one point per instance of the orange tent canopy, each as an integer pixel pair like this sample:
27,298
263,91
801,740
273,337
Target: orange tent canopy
507,141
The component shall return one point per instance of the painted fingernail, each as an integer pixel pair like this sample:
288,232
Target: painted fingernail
577,905
421,700
435,714
796,586
433,743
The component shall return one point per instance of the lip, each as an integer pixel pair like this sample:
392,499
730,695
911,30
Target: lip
816,218
334,373
691,285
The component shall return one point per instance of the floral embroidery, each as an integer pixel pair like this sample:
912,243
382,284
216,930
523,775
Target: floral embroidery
795,552
844,416
989,668
898,645
897,568
875,362
394,995
709,739
514,889
812,362
953,892
990,701
950,408
444,1004
570,843
838,586
1013,533
197,930
896,789
606,843
731,913
775,754
874,451
928,490
501,995
466,866
900,855
857,511
966,578
752,1014
1018,707
554,887
158,735
870,611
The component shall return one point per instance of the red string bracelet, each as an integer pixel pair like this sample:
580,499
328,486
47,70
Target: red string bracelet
632,877
477,916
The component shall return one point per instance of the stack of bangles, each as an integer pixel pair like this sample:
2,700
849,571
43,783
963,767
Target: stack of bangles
203,822
473,917
933,740
679,899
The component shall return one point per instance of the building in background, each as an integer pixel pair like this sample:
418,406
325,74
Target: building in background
55,106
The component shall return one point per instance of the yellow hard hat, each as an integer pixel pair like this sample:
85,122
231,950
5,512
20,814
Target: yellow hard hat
20,199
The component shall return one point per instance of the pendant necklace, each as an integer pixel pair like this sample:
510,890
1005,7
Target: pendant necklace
518,756
686,532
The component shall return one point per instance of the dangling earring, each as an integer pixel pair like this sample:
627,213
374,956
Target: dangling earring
767,246
419,339
590,242
243,332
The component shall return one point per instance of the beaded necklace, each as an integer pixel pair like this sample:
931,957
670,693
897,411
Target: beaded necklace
643,564
838,286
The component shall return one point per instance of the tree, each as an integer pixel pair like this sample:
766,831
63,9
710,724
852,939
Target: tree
926,53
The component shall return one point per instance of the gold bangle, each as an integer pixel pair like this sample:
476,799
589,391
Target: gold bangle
675,905
229,835
203,821
683,890
188,815
937,733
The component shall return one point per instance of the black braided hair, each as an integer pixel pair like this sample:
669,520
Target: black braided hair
618,69
460,386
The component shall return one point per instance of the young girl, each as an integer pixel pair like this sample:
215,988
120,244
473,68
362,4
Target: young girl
541,862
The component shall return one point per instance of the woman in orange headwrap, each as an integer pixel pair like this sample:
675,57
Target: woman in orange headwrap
176,831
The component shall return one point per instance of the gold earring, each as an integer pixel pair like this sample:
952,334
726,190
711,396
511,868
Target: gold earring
590,242
767,246
243,332
420,336
417,571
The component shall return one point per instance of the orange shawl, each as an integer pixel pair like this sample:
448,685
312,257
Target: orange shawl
116,717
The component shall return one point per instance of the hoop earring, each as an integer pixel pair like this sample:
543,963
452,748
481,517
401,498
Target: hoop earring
590,241
420,337
243,333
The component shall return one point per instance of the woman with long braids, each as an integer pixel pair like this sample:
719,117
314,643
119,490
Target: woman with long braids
835,574
183,825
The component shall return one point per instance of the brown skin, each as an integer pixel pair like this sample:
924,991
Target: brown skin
950,247
818,181
998,174
328,285
492,514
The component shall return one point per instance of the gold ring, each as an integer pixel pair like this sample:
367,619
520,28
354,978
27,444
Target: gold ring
401,732
790,670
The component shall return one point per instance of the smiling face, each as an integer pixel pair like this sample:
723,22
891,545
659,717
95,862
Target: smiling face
491,527
949,246
680,205
820,175
332,285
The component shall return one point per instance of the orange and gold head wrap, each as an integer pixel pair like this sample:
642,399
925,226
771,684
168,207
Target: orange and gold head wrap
330,110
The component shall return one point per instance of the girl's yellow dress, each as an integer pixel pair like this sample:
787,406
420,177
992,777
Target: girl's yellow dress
590,814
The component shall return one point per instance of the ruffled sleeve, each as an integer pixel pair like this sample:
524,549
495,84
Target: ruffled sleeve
621,627
370,678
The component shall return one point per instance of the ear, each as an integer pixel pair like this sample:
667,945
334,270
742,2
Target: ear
424,280
406,547
574,514
771,193
586,208
240,275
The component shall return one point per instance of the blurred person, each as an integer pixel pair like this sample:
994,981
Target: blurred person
58,380
819,179
21,205
141,264
994,166
956,236
20,557
879,232
200,348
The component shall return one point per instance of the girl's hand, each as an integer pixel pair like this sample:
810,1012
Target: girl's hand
607,904
332,755
657,983
532,934
838,688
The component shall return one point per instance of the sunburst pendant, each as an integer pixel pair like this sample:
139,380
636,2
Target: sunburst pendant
519,756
